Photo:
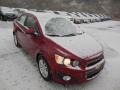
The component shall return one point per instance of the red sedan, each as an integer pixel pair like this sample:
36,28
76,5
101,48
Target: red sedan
64,53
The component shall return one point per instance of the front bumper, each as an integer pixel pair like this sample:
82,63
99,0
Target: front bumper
77,76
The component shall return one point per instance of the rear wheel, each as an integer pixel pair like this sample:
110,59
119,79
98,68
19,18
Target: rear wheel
4,18
44,68
16,40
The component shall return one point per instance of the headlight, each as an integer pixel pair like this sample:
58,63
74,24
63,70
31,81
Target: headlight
66,61
59,59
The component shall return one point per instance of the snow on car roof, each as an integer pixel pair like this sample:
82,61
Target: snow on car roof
43,18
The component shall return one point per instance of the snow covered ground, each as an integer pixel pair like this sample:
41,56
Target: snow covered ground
19,72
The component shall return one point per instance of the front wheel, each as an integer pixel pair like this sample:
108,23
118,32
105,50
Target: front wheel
44,68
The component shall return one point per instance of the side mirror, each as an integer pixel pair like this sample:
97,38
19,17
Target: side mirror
30,31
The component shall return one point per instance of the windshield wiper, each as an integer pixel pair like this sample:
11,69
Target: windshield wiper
53,35
69,35
80,33
72,34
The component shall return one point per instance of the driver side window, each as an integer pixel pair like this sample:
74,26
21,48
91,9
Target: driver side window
31,23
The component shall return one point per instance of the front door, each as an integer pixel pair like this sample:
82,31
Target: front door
33,41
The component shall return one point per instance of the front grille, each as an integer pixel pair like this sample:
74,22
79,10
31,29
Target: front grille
95,60
92,73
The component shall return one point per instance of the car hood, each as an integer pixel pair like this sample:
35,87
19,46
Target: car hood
82,46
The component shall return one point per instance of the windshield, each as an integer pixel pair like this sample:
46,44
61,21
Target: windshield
61,27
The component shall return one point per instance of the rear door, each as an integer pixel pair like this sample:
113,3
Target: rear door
21,29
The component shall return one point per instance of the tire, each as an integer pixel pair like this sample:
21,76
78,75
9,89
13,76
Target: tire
16,41
0,17
4,18
44,68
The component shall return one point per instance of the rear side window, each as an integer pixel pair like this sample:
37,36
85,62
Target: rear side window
22,19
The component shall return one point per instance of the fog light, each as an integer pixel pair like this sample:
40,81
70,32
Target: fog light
66,78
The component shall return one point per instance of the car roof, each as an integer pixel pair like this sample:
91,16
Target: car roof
44,17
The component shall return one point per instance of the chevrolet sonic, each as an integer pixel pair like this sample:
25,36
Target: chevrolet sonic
63,52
